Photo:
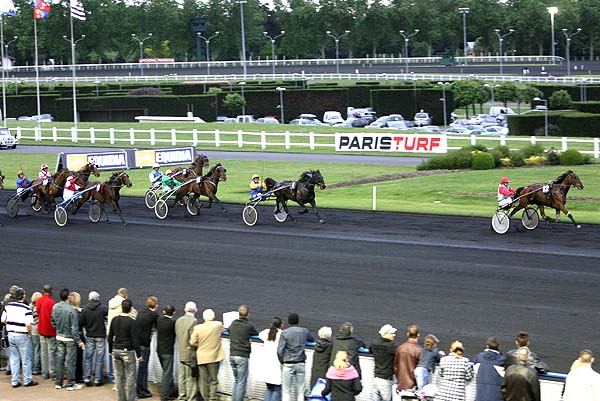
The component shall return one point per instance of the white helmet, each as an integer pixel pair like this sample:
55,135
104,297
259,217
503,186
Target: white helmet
156,165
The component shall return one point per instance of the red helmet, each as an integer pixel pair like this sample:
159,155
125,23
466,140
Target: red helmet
43,166
504,180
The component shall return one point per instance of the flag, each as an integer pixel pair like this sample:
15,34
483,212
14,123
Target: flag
41,9
7,7
77,10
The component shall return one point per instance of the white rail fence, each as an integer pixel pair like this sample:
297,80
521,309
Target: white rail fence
265,140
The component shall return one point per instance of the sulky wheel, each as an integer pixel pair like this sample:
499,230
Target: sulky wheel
61,216
250,215
280,216
150,198
36,204
192,206
530,218
500,222
95,212
161,209
12,207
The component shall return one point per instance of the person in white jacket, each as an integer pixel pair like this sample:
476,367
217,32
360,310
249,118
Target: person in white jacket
583,383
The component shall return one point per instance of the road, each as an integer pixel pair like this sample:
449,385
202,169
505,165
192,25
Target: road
451,275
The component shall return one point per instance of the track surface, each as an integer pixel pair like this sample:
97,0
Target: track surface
451,275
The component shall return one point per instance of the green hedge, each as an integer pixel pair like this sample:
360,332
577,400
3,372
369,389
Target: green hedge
404,101
526,124
592,91
586,107
580,124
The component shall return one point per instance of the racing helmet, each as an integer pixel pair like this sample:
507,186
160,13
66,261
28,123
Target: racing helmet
168,172
504,180
255,176
43,166
156,165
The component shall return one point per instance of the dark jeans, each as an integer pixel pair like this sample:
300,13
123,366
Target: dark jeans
167,386
125,372
37,354
66,354
142,374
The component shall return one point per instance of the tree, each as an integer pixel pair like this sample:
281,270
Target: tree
466,93
560,100
526,95
234,103
507,92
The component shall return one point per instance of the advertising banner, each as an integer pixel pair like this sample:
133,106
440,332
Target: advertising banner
367,142
164,157
114,160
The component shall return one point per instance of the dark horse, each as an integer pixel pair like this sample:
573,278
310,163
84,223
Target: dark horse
1,180
301,192
107,192
206,186
556,197
194,170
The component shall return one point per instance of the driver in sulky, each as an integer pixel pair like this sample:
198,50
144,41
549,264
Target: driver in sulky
505,193
256,186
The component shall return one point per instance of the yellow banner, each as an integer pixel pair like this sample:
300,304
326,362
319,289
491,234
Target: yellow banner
76,161
145,158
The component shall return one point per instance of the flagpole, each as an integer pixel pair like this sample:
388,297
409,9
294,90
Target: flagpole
3,69
73,76
37,69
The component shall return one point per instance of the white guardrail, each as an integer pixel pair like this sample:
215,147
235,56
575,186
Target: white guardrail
218,138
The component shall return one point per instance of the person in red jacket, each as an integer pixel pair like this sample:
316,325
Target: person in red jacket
47,332
70,187
505,193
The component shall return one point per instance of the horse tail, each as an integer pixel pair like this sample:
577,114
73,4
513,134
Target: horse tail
270,183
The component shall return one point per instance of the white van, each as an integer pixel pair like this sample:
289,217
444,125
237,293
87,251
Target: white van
333,117
497,110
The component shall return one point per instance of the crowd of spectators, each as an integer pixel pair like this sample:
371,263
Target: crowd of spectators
45,337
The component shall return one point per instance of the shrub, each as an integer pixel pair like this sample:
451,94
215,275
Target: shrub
570,157
475,148
560,100
505,162
234,102
552,157
482,161
503,150
532,150
517,159
146,91
535,160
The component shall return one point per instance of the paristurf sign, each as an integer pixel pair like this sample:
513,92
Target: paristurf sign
418,143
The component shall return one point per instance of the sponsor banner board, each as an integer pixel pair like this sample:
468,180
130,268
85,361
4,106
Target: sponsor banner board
116,160
367,142
164,157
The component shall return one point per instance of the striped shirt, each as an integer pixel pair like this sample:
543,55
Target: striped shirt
17,316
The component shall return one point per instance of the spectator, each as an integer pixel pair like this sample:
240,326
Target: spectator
115,303
321,355
290,351
144,324
165,349
188,385
489,370
123,346
64,318
344,341
583,383
240,332
430,357
407,359
36,362
75,301
270,374
47,332
384,351
522,340
521,380
18,318
206,337
455,371
93,319
343,381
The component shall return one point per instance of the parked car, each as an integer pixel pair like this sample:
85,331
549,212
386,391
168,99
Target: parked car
311,117
245,118
221,119
42,118
333,118
429,128
304,121
268,120
497,110
495,131
421,118
6,139
478,118
388,121
489,122
456,131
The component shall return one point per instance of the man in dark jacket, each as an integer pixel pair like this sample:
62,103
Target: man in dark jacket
165,349
522,340
93,320
144,323
521,381
290,352
240,332
489,364
344,341
384,351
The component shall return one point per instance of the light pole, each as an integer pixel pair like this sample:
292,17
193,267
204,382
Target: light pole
4,54
500,42
73,44
464,11
207,42
491,88
552,11
242,84
141,43
273,39
97,82
406,40
242,2
582,90
443,99
337,48
281,90
568,38
537,99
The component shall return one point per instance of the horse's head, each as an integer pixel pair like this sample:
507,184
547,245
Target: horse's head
90,168
222,172
573,179
121,178
202,160
270,183
316,178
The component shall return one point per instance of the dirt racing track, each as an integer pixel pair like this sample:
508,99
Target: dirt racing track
453,276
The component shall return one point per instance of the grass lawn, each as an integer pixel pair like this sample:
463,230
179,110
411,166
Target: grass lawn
467,193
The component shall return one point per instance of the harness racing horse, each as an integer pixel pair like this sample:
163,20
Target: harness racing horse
108,192
301,192
555,198
194,170
208,186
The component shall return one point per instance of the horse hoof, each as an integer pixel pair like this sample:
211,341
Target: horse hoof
322,221
225,211
578,226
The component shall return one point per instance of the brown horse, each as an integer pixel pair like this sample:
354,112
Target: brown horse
194,170
301,192
206,186
555,197
1,180
107,192
45,194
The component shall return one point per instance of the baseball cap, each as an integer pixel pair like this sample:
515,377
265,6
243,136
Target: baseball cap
387,329
94,296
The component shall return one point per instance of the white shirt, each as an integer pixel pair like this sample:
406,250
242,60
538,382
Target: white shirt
583,384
